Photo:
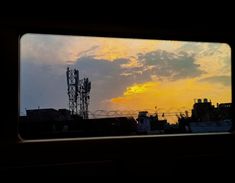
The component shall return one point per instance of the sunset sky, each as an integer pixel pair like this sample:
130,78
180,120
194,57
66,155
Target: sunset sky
125,74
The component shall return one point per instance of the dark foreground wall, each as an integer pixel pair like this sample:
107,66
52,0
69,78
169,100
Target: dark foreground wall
35,129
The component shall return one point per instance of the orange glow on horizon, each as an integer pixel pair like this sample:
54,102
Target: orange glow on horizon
170,96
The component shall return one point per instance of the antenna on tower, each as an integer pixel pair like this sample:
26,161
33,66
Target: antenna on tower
84,91
72,82
78,92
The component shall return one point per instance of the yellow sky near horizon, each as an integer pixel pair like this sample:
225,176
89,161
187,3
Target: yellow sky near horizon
176,96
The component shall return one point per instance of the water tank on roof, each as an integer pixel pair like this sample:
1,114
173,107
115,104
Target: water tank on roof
143,113
205,100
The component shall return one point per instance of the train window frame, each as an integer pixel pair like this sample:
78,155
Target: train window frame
108,31
120,152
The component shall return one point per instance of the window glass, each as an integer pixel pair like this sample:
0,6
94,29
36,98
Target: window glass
76,86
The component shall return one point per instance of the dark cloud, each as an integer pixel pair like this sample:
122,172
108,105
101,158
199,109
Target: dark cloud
108,82
121,61
106,79
199,49
224,80
171,65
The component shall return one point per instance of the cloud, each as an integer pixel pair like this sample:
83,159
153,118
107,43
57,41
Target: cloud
105,76
132,63
88,52
111,80
170,65
224,80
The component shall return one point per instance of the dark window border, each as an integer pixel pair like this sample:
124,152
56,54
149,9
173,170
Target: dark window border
120,154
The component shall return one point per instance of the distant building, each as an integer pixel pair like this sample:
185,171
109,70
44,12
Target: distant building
52,123
157,124
224,111
207,118
48,114
150,124
143,125
203,110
